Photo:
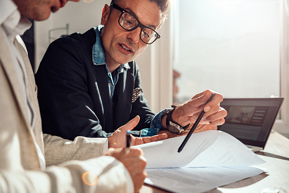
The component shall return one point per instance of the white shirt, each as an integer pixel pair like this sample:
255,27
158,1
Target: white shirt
14,24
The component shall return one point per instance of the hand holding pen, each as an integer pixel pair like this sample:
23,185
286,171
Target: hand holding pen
194,126
189,111
132,159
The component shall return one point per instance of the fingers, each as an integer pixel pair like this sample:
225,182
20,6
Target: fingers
142,140
135,151
197,103
218,98
189,111
118,137
156,137
131,124
108,152
123,153
204,97
162,137
146,139
117,153
218,122
211,112
137,141
218,117
215,116
205,127
135,163
168,133
138,180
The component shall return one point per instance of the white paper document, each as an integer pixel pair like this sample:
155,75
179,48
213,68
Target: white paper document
208,160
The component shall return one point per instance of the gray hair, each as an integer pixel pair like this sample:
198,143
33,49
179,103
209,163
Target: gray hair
162,4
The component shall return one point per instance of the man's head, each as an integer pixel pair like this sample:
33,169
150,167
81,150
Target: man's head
39,9
123,43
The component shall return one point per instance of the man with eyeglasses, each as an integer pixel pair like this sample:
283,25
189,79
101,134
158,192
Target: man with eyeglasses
89,84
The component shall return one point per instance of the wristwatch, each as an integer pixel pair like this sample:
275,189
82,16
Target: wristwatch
173,126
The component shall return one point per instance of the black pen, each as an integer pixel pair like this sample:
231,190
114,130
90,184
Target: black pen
128,138
194,126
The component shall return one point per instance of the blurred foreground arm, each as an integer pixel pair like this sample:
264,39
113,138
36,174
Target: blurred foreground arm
104,174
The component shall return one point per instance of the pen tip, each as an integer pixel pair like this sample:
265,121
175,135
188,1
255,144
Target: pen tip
128,131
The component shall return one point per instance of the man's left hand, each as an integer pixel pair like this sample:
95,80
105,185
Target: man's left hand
118,138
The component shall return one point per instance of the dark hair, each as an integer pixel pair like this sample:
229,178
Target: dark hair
162,4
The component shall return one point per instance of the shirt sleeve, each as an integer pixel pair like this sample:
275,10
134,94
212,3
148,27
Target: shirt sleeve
104,174
59,150
156,125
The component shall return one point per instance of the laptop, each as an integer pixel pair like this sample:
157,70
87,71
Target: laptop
250,120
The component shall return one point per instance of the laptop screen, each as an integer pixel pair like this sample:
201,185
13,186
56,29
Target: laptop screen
250,119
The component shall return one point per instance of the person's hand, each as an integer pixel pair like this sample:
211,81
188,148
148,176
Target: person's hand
134,161
200,128
118,138
189,111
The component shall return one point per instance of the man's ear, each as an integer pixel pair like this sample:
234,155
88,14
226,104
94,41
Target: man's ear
105,14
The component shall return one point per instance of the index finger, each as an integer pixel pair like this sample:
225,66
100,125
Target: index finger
155,138
197,102
135,151
131,124
216,100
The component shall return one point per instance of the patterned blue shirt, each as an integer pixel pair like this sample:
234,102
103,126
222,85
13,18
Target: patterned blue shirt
99,59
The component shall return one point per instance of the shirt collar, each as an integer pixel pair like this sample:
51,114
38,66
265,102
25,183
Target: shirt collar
98,56
11,20
6,8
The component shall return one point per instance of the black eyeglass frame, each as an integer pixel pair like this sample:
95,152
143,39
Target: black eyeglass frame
139,23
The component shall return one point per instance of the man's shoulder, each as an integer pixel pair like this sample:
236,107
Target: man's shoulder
87,36
86,39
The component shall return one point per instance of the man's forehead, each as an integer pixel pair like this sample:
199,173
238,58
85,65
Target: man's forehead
146,11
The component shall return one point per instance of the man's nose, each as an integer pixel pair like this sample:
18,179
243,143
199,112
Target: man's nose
134,35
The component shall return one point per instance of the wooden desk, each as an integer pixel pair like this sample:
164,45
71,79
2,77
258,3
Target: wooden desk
276,155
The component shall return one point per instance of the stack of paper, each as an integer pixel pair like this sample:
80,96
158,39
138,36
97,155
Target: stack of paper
208,160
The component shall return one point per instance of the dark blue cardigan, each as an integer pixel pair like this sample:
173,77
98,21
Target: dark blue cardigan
73,92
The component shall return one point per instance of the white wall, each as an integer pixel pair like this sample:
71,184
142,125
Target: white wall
282,126
80,17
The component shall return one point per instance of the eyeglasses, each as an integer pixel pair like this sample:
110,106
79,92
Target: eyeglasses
128,22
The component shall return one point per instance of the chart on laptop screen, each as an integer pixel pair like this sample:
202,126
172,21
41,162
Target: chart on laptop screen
250,119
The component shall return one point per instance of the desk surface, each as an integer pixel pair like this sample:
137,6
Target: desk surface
276,155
